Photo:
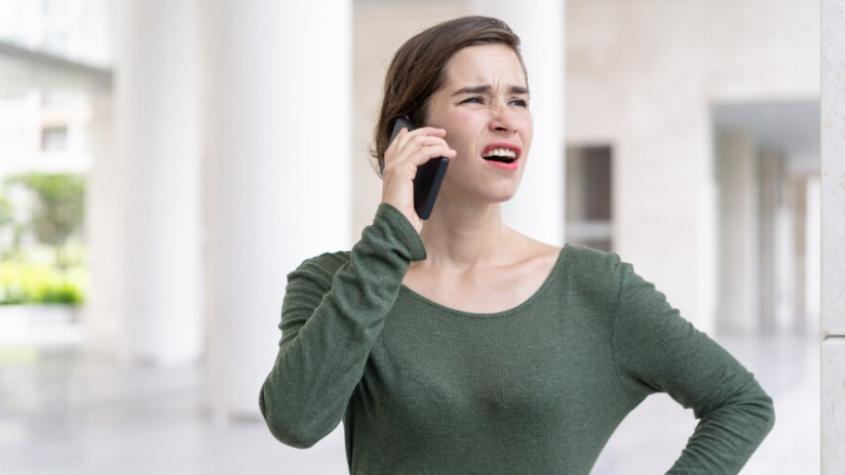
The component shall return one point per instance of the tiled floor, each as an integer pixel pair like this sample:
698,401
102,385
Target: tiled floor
62,414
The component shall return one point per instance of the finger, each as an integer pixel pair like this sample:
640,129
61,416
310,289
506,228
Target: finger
434,151
405,136
431,131
420,141
423,131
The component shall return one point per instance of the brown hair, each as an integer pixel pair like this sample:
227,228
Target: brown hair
418,70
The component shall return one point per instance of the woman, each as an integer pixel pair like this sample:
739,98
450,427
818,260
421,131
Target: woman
462,346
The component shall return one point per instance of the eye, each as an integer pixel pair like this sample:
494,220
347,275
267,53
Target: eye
520,102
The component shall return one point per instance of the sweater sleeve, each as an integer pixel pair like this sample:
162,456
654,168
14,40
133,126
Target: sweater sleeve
329,323
656,350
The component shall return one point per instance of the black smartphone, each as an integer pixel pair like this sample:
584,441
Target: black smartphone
429,175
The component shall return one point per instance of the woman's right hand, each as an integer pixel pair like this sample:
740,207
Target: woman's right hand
408,151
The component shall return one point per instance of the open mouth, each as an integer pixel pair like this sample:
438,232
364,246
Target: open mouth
500,158
501,152
503,161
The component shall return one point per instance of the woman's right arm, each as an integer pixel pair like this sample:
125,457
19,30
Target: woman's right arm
331,317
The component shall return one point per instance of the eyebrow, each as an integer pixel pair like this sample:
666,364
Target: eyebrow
486,88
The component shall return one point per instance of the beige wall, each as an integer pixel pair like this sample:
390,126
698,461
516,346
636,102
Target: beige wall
641,76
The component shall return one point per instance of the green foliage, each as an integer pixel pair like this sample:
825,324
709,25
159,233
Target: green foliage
55,221
6,217
40,283
8,222
61,205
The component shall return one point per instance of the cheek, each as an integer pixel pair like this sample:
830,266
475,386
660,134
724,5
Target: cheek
527,126
465,115
526,119
464,123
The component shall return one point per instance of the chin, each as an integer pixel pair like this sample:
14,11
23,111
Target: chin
504,195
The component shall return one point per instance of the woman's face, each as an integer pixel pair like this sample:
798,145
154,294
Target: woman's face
494,112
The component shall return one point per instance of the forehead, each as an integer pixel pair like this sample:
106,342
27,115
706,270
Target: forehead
494,63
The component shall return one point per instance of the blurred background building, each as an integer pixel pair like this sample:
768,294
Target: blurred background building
164,165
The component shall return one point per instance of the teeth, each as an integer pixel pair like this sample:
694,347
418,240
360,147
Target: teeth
502,152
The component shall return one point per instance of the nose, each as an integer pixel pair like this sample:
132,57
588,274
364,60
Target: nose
501,120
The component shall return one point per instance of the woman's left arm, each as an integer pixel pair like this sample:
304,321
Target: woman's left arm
656,350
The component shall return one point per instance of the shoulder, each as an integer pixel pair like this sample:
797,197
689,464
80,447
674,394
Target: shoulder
582,255
593,271
320,268
577,257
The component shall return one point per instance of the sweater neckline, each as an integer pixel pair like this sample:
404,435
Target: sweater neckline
503,313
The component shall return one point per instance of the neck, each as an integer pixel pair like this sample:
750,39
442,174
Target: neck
461,236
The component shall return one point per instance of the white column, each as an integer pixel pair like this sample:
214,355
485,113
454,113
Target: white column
833,235
158,140
798,209
278,151
104,313
538,208
739,241
770,165
813,261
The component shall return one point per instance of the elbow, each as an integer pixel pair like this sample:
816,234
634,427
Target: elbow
763,408
290,435
769,414
288,430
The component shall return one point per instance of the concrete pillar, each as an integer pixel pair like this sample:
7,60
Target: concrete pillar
798,185
785,253
738,302
773,288
657,194
278,152
104,314
158,141
538,207
813,261
832,237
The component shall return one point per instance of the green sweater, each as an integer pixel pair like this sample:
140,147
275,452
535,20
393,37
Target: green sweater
537,389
